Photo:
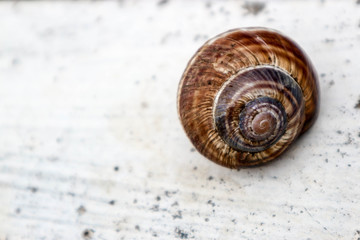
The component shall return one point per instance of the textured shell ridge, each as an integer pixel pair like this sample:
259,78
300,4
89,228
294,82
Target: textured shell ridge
252,70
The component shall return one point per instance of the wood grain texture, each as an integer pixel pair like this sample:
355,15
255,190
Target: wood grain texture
91,146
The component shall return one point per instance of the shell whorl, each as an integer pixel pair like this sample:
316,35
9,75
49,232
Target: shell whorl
249,110
246,95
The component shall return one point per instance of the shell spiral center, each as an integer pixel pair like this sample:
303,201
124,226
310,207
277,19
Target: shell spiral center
253,109
263,119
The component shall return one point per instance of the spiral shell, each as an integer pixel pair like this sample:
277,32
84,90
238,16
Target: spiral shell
246,95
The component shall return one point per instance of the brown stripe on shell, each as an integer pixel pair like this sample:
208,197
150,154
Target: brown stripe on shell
290,58
215,63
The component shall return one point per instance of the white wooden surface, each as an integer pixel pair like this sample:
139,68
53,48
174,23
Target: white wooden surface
91,146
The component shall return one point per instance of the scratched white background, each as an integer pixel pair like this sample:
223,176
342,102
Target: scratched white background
91,146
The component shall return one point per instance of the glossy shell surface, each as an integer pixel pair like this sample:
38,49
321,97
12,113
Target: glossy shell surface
246,95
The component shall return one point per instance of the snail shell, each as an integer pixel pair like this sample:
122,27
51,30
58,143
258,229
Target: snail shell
246,95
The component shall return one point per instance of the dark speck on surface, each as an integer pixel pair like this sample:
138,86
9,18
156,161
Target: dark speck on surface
18,210
192,149
88,233
170,193
155,208
137,227
181,233
33,189
162,2
112,202
210,178
71,194
81,210
341,153
357,105
177,215
331,83
211,203
254,7
328,40
116,168
158,198
349,139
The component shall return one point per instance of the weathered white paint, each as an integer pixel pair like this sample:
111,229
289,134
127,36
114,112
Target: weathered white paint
86,87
